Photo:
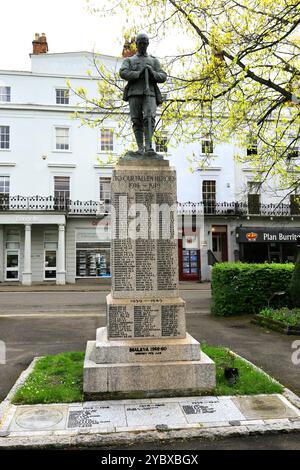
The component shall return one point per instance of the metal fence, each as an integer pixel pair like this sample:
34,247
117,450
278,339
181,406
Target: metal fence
210,208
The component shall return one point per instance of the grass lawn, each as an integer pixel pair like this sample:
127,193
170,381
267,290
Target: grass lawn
250,380
55,379
58,379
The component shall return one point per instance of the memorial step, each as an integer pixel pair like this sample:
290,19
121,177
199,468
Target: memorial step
146,379
145,350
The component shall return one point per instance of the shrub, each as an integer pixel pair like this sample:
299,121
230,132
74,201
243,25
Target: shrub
239,288
284,315
294,289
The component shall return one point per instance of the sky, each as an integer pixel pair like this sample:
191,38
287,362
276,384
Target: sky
67,24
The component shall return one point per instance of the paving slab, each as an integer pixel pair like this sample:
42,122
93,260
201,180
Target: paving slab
159,413
265,407
39,418
97,416
211,409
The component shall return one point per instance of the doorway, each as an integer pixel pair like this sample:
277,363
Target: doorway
220,243
12,265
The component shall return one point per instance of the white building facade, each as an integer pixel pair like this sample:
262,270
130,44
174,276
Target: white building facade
55,194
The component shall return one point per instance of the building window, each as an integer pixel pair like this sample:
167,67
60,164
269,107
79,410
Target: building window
61,192
4,138
50,250
4,192
5,94
209,196
161,144
293,153
207,146
254,188
4,185
62,138
251,145
12,255
62,96
105,189
295,204
107,140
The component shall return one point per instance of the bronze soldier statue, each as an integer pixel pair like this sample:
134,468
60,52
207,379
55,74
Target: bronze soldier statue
143,72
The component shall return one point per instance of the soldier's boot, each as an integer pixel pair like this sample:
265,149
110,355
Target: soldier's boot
139,137
148,138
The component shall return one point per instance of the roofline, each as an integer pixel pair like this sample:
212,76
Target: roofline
65,76
76,52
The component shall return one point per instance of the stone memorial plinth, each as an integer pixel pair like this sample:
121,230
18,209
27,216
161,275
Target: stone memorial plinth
145,349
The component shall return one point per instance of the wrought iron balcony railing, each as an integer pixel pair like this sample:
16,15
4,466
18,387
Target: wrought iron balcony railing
51,203
237,209
209,208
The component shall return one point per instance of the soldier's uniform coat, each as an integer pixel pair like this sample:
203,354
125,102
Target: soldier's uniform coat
129,71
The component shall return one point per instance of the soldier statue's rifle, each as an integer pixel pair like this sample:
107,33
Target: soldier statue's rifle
148,107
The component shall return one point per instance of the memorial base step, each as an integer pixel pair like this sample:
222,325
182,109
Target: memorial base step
145,350
146,379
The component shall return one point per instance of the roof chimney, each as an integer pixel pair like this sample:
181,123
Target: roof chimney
129,48
40,45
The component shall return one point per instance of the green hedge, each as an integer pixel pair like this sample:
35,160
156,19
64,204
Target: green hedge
295,285
239,288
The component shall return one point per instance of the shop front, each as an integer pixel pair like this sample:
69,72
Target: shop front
32,248
92,253
273,245
189,258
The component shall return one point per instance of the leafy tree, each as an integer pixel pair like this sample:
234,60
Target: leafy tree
236,73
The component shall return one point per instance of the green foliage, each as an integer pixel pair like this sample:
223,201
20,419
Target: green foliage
250,381
241,288
55,379
284,315
295,284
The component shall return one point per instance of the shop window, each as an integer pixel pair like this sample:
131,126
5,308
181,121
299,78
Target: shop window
93,260
190,264
275,252
209,196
